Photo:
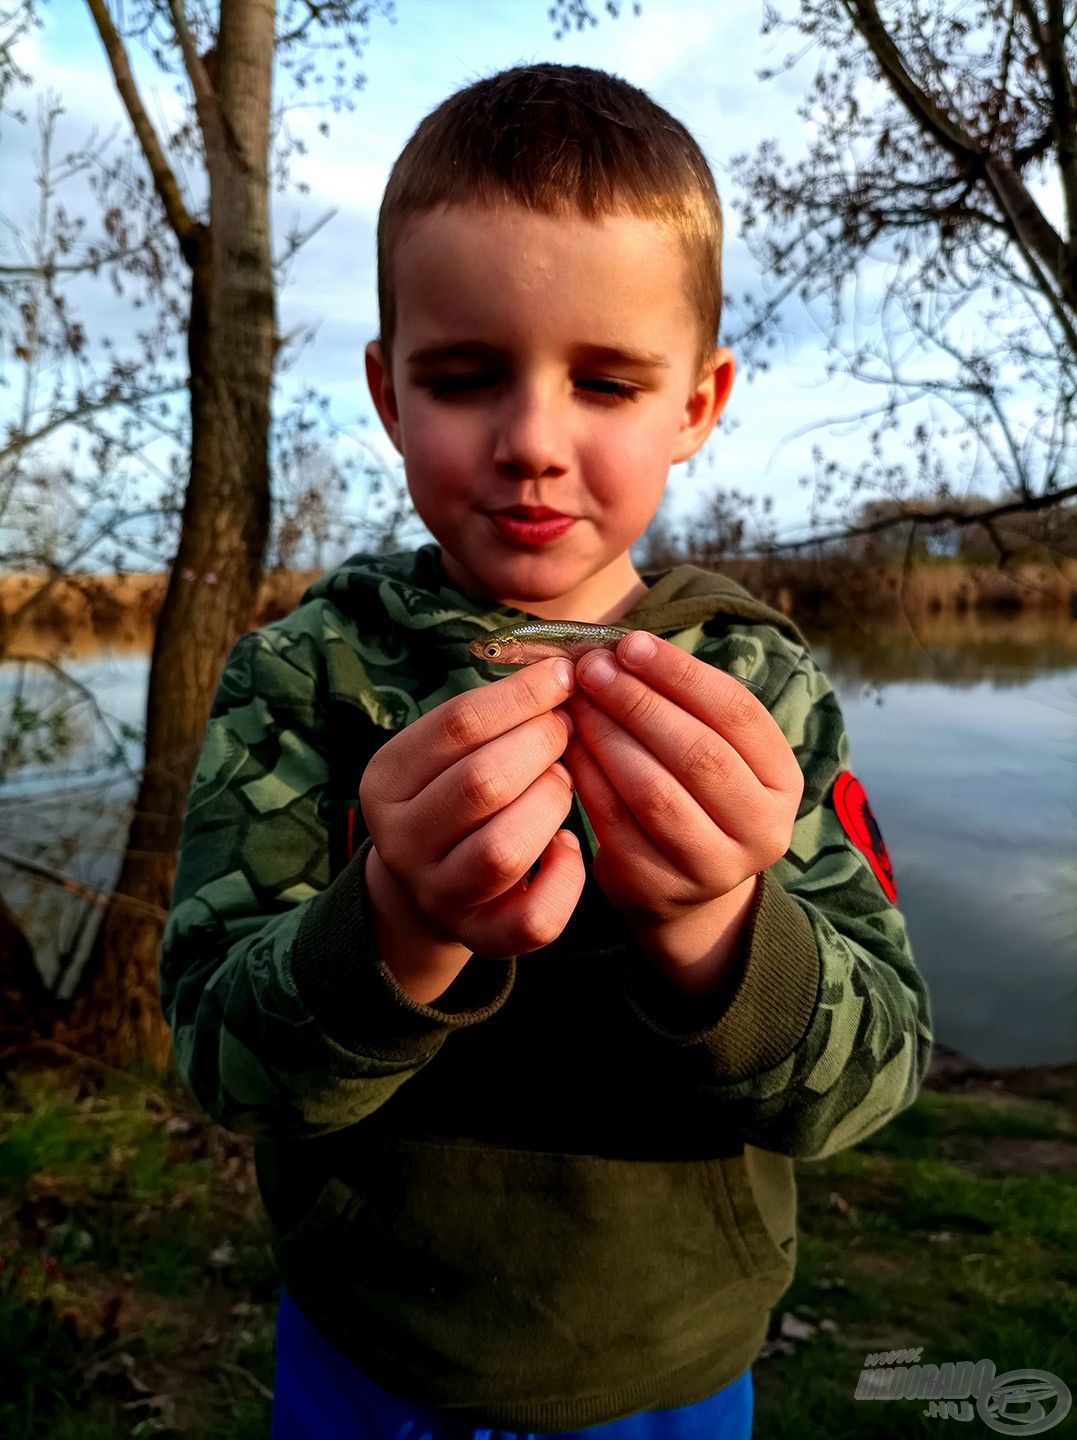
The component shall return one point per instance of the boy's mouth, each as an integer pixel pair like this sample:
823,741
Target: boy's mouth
531,512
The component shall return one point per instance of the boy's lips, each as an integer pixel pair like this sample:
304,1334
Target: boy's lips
531,512
531,530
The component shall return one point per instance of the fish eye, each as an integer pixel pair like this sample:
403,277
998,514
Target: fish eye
492,651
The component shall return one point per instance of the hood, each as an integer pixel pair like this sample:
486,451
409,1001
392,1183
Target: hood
410,589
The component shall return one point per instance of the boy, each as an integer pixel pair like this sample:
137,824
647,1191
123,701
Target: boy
526,1136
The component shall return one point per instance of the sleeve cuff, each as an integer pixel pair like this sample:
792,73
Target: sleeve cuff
353,994
771,1007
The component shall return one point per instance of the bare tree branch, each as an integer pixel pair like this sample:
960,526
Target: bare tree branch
83,267
113,397
925,514
1030,225
183,225
80,888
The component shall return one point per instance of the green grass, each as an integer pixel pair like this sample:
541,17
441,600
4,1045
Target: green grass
953,1255
129,1229
130,1232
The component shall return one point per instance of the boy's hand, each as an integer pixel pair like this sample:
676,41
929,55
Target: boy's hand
690,786
460,804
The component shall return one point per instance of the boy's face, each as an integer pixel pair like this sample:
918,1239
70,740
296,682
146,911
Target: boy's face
564,377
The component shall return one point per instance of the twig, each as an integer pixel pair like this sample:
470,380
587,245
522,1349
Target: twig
262,1390
78,1058
81,888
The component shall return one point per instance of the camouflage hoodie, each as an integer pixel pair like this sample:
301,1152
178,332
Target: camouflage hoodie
561,1193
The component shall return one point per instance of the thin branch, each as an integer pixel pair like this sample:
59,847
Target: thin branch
27,1048
23,441
183,225
1050,39
197,73
80,888
314,12
298,239
46,271
1029,224
923,514
18,615
235,1369
82,689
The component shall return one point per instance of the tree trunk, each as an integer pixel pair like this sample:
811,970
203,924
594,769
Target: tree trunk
26,1007
116,1013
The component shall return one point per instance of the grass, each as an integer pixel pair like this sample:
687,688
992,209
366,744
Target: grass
138,1294
137,1291
921,1236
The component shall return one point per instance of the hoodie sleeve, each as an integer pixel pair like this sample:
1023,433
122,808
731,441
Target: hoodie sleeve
285,1021
829,1033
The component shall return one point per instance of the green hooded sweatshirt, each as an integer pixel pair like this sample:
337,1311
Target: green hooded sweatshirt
562,1193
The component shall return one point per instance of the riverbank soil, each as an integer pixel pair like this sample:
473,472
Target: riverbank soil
138,1294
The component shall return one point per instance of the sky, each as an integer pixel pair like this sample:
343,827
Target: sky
698,58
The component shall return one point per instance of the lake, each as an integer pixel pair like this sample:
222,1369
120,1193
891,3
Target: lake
964,736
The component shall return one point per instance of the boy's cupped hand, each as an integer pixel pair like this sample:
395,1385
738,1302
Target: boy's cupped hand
463,801
690,785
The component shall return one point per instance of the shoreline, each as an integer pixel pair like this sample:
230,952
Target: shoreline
816,592
950,1071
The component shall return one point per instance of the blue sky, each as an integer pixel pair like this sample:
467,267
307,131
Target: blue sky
698,58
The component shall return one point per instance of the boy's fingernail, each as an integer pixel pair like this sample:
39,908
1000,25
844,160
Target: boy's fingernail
599,671
564,672
567,718
638,647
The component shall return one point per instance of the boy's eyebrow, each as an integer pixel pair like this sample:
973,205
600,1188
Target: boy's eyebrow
593,354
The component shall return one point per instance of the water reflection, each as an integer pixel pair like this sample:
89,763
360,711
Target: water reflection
945,648
975,789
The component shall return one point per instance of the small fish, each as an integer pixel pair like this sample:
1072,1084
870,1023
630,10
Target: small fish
531,640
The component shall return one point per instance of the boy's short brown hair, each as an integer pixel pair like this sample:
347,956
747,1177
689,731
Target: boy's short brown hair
559,140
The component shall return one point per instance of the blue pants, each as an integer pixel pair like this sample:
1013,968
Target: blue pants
319,1395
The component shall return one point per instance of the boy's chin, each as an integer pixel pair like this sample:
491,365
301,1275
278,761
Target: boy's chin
510,580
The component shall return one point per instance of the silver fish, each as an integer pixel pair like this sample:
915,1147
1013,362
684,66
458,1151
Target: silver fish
531,640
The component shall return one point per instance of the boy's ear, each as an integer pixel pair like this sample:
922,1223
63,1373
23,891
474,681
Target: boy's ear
382,392
705,405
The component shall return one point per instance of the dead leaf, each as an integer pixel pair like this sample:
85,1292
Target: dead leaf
775,1347
794,1329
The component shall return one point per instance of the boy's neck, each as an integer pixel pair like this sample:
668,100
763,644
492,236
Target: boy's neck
606,607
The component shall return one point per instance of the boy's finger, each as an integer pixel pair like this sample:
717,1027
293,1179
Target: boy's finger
681,682
444,735
538,914
466,795
489,862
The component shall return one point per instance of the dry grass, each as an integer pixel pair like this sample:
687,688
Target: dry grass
120,608
833,587
123,608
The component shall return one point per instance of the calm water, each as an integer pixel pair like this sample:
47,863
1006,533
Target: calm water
974,786
967,749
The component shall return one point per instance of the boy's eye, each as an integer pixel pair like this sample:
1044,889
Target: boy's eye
455,384
615,389
462,384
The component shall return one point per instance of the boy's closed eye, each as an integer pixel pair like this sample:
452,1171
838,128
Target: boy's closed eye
602,388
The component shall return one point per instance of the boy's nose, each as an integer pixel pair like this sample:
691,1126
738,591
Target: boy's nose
532,436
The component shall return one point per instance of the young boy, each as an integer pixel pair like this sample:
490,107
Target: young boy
526,1137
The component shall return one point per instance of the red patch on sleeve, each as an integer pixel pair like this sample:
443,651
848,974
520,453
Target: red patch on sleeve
862,828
